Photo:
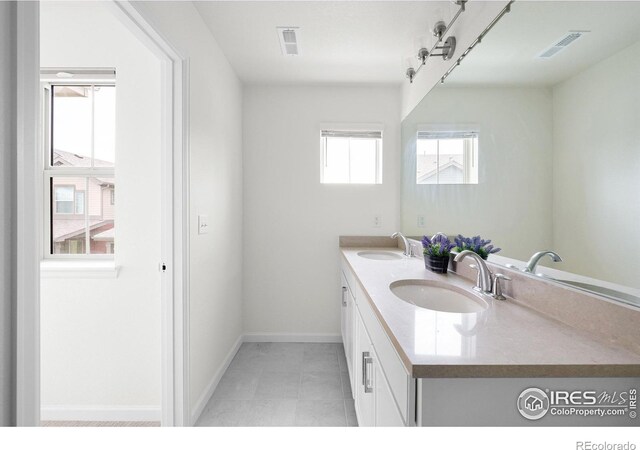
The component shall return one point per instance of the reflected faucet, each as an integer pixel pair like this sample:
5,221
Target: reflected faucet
439,233
405,242
484,274
533,262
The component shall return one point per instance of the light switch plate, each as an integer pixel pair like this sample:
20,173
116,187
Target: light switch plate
377,221
203,224
420,221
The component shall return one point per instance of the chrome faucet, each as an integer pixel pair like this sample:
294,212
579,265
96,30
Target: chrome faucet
405,242
484,282
533,262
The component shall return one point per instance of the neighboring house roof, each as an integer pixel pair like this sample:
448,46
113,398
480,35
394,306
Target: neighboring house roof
70,228
62,158
451,164
107,235
105,183
426,163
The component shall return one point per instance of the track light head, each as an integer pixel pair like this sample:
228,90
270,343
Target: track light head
439,29
423,54
411,72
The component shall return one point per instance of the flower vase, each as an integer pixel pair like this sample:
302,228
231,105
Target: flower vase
436,264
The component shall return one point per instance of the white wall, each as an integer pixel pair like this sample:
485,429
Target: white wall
216,190
292,222
510,205
7,204
597,169
101,338
466,29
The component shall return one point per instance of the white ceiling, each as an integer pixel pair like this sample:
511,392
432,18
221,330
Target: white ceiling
508,54
370,41
340,42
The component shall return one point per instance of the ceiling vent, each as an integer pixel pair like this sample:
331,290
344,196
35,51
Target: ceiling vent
563,43
288,40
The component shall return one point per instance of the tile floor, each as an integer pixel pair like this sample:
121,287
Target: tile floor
283,384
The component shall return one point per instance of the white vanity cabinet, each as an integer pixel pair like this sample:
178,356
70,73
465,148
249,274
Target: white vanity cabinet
384,392
347,308
364,376
386,410
375,404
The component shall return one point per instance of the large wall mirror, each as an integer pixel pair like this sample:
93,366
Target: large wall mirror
534,142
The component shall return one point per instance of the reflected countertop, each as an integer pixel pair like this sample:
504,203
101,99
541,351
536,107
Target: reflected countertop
506,340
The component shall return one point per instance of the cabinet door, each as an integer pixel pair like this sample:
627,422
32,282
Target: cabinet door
364,376
344,294
387,413
347,318
350,338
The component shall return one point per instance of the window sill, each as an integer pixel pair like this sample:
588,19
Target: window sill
78,269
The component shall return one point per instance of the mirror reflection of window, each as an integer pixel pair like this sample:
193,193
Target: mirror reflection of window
447,158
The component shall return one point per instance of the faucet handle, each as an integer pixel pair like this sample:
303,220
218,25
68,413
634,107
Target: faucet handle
497,286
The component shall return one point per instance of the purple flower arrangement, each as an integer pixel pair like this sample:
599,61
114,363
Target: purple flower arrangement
439,246
436,252
476,244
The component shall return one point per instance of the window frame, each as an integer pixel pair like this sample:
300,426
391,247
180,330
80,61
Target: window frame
457,129
48,79
354,130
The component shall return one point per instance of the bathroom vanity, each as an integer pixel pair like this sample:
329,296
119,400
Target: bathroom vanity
424,366
530,141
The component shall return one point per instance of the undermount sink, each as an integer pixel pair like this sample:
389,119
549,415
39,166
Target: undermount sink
380,255
437,296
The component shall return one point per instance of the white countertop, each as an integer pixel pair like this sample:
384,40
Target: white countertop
506,340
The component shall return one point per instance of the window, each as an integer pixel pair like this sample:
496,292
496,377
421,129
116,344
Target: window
447,157
351,157
68,200
79,172
65,199
79,202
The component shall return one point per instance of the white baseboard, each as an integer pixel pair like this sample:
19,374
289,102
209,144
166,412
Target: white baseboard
213,384
291,337
101,413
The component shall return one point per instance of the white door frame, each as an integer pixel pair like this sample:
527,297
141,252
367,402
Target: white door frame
175,217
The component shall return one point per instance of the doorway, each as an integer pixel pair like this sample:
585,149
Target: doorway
101,338
100,289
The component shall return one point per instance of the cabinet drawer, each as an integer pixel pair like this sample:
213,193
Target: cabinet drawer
391,365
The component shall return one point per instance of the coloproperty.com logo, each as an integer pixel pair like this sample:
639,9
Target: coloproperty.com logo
534,403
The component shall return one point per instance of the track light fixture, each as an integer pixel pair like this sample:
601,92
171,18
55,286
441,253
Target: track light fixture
506,10
446,48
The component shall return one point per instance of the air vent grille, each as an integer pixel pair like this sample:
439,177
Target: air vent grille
563,43
288,40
